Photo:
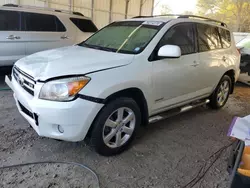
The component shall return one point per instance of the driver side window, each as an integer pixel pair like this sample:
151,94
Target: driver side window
182,35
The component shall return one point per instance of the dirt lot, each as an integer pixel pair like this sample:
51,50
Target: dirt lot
165,154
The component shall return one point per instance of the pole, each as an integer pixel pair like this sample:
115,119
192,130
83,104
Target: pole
46,3
110,11
126,9
141,4
92,7
153,6
70,5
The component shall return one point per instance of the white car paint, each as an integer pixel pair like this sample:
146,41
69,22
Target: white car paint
84,61
165,83
29,42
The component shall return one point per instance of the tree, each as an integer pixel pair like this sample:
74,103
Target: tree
165,9
188,12
234,12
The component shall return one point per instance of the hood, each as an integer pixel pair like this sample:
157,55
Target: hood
73,60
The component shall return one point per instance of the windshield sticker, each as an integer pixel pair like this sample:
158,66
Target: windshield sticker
137,49
154,23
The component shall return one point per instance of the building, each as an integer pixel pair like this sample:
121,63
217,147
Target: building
102,12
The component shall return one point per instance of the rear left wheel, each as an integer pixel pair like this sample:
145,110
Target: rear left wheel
116,126
221,93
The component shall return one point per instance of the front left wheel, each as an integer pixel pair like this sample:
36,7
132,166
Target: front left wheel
115,126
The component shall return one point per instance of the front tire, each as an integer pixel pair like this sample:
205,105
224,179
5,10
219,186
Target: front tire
220,95
115,126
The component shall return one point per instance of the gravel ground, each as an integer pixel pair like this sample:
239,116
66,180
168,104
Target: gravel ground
166,154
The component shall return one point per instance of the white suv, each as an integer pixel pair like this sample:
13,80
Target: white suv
128,74
26,30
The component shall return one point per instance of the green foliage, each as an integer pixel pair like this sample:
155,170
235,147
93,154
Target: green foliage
234,12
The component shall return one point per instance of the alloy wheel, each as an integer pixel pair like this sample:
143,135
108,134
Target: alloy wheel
119,127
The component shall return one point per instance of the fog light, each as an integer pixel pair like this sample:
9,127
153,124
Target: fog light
60,129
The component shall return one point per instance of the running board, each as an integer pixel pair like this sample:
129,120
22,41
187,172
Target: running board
176,111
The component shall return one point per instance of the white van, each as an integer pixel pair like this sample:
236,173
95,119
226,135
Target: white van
128,74
26,30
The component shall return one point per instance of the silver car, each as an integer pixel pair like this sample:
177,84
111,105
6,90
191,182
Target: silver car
26,30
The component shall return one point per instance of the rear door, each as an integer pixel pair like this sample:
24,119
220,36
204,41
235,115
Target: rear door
212,56
45,32
13,39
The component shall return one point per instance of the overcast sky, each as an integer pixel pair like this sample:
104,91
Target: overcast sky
177,6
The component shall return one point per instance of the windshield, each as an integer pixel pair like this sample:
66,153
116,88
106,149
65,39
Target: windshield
244,43
129,37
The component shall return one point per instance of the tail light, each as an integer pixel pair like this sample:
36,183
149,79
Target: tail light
238,50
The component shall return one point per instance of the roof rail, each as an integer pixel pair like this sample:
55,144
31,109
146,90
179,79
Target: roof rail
186,16
78,13
10,5
43,8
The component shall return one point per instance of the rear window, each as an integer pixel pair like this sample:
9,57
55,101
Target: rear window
10,20
225,38
208,37
43,22
84,25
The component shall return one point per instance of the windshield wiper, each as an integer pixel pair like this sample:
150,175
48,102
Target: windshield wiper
97,47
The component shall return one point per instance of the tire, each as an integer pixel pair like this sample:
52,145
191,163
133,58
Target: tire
220,95
108,127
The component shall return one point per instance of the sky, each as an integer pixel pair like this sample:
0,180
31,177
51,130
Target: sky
177,6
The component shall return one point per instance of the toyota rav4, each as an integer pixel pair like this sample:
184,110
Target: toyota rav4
128,74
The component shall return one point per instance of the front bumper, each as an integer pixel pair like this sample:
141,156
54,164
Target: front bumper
74,118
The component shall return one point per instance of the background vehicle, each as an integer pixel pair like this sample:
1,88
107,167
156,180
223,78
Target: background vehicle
128,74
244,47
26,30
238,36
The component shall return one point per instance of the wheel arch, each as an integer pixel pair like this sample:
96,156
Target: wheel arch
134,93
137,95
231,74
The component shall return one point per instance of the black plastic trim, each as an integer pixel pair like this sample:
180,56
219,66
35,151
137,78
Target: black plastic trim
92,99
26,111
36,119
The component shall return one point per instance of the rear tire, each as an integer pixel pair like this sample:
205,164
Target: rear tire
220,95
115,126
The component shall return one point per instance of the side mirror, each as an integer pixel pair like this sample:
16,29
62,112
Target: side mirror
170,51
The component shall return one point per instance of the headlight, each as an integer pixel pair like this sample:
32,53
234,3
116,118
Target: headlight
63,89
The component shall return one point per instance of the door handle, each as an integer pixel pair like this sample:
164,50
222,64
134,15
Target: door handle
195,64
64,37
224,58
12,37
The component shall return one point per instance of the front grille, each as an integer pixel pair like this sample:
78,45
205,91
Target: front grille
25,81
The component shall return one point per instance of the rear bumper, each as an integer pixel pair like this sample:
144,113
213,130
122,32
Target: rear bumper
237,74
74,118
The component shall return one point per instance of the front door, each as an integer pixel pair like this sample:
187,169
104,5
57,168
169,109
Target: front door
12,39
175,79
